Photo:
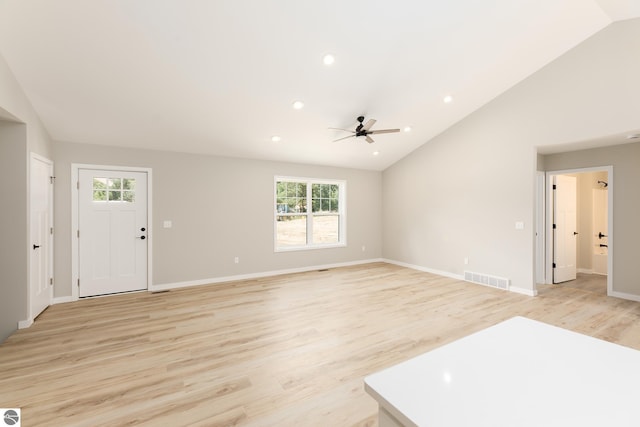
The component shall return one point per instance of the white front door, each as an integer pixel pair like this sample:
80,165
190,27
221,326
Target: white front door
564,236
41,233
112,231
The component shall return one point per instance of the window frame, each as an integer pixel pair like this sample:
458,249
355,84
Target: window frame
342,213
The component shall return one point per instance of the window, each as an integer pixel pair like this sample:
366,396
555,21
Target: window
309,213
114,190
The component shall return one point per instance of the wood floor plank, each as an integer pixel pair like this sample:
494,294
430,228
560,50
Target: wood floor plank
288,350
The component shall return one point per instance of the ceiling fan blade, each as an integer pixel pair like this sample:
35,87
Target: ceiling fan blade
340,139
368,125
369,139
384,131
345,130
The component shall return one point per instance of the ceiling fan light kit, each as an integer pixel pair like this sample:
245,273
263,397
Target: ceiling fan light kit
364,129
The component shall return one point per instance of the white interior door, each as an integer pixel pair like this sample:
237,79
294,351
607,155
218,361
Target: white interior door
564,236
112,226
41,233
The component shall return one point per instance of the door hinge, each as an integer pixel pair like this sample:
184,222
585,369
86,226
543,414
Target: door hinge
51,281
52,179
554,265
78,282
554,186
78,185
554,226
78,233
51,230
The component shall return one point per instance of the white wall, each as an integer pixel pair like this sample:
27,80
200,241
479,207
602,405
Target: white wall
460,194
220,208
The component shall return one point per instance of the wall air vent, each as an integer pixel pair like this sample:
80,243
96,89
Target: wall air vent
487,280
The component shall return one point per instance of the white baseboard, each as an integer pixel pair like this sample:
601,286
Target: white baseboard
425,269
522,291
584,271
624,295
62,300
199,282
23,324
528,292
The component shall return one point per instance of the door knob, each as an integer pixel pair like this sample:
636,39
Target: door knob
35,247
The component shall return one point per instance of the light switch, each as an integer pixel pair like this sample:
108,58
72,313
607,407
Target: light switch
519,225
167,224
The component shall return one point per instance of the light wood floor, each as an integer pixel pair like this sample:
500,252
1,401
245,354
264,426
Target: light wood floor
283,351
596,283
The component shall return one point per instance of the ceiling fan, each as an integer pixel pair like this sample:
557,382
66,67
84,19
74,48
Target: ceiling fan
364,130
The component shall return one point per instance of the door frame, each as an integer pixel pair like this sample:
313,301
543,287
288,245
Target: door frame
34,156
75,266
549,221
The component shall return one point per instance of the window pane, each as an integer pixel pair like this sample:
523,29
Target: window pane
99,195
99,183
115,196
291,231
115,183
128,196
333,191
129,184
315,205
291,189
325,229
335,205
281,189
325,192
325,205
315,191
302,190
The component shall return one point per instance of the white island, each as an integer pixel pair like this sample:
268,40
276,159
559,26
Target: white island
518,373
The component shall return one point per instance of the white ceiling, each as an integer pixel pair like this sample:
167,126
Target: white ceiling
220,76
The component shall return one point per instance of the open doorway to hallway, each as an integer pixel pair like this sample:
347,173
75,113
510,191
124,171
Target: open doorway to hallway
590,233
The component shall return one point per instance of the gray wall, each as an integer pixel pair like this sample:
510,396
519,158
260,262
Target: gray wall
23,133
220,208
625,160
460,194
13,227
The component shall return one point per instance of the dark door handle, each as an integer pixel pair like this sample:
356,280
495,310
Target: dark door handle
600,235
575,233
142,237
35,247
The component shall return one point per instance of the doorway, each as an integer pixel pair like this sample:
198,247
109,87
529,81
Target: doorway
112,240
593,230
40,234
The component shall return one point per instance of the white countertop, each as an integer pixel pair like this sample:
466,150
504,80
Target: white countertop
517,373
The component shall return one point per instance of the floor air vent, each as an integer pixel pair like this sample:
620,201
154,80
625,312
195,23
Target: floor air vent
487,280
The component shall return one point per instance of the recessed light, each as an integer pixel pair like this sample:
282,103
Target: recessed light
447,99
328,59
633,136
276,138
407,129
375,153
298,105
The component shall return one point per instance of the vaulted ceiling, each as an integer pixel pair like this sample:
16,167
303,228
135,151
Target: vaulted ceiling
220,76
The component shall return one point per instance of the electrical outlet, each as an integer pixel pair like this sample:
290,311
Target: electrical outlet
466,260
363,248
236,260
